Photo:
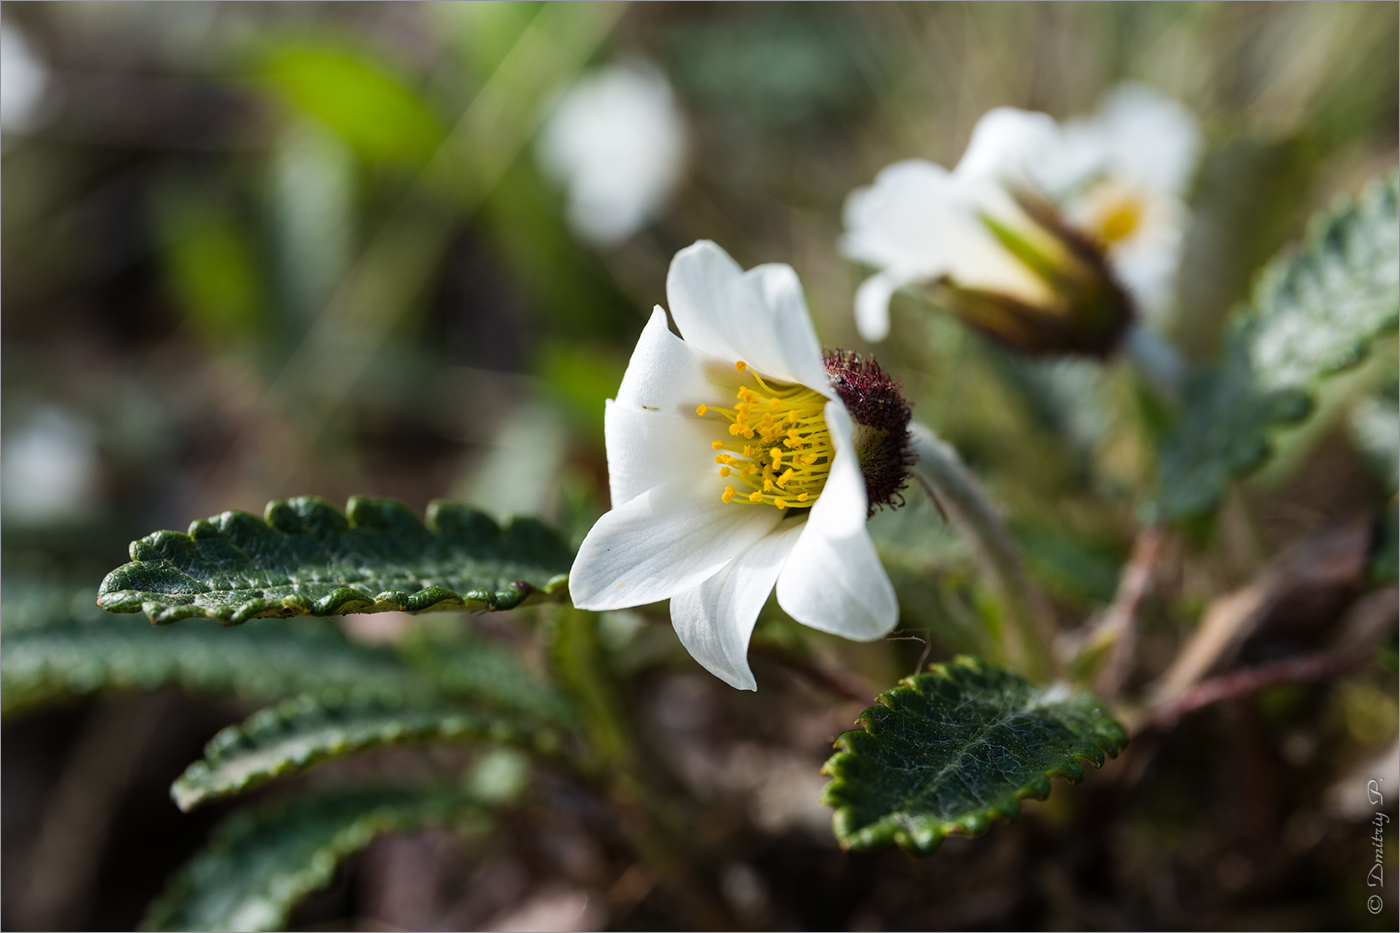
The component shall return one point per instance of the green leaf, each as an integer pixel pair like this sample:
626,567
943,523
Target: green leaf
260,863
1315,311
951,749
305,557
79,656
305,731
374,110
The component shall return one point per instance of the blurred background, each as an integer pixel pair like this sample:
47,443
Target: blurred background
250,251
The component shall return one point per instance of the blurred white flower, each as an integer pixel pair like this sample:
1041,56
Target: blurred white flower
23,79
50,469
733,464
616,140
1022,229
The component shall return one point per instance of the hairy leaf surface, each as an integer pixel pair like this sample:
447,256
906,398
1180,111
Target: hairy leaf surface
302,732
951,749
305,557
1316,310
260,863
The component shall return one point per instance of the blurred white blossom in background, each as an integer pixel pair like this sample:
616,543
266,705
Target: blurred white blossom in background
1117,178
616,140
23,79
49,469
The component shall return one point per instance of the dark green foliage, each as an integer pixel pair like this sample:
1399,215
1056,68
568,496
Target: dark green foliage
1315,311
305,557
951,749
488,673
72,657
305,731
261,862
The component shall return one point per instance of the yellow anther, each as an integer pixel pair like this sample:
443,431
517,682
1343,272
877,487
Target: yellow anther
700,409
786,450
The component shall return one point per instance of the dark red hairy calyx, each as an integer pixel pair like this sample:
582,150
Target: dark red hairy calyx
881,417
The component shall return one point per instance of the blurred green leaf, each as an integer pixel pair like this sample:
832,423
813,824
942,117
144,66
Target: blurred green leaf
260,863
78,655
956,747
300,733
1315,311
476,669
1375,429
305,557
376,111
210,260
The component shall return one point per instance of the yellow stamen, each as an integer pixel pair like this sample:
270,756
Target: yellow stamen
700,409
785,453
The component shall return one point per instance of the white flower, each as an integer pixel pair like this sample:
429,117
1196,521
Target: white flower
616,140
1116,179
733,469
23,80
51,469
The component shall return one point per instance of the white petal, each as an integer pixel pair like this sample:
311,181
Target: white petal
1006,142
873,305
899,221
833,580
716,619
1154,139
759,317
648,448
667,374
669,539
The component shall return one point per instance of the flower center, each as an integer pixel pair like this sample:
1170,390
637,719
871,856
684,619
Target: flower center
780,447
1117,214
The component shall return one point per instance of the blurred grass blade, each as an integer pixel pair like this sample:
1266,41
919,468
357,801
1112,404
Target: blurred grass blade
260,863
1315,311
303,732
956,747
305,557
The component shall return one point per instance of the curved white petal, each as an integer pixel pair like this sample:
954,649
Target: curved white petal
668,539
783,343
1152,138
873,304
648,448
1006,142
715,619
833,580
759,317
905,220
667,374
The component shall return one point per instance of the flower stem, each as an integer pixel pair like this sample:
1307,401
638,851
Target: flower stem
952,486
1156,359
628,777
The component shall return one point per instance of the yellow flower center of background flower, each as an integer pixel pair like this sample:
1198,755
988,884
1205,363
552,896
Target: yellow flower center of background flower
778,446
1117,213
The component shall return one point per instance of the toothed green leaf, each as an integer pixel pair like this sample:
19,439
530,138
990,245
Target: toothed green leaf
954,748
305,731
260,863
75,656
1315,311
305,557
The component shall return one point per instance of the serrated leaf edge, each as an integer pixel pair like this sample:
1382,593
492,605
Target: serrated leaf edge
201,782
344,599
928,834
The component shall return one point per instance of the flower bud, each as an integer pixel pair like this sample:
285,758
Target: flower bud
881,418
